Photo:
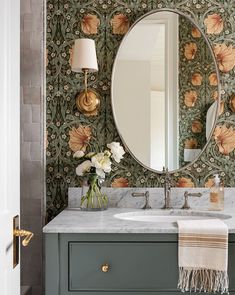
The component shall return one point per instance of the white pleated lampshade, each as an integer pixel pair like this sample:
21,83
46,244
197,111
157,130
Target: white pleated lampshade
84,56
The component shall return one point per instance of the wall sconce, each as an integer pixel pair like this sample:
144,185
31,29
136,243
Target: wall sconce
84,60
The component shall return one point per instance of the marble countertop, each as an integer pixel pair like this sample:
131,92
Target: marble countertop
76,221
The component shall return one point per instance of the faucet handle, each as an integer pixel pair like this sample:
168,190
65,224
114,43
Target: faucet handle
146,195
186,195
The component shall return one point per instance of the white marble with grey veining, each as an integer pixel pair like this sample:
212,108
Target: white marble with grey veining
122,197
76,221
73,220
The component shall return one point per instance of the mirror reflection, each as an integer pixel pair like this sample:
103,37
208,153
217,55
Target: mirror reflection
164,91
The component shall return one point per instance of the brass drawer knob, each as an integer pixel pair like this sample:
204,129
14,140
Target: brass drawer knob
105,268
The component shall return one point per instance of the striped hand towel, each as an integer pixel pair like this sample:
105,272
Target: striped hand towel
203,256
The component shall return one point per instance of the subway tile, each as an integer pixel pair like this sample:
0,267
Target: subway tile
35,189
25,6
32,223
31,189
27,22
26,67
32,95
21,95
25,114
31,132
37,290
21,22
31,262
30,207
25,290
25,152
31,68
33,22
36,41
31,167
32,170
24,41
37,6
24,187
36,115
35,151
36,79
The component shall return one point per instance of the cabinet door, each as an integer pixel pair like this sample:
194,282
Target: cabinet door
132,266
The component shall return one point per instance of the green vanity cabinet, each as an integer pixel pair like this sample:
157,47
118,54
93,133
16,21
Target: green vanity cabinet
79,264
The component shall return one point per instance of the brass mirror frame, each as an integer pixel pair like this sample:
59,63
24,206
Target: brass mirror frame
219,89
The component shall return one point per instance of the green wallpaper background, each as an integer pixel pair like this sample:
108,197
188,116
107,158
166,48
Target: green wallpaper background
195,71
106,21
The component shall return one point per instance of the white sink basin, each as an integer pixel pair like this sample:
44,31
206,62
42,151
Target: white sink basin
169,216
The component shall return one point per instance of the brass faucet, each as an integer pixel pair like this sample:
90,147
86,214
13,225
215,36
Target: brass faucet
167,189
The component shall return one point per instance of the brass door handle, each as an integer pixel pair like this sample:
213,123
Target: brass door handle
17,233
105,267
24,233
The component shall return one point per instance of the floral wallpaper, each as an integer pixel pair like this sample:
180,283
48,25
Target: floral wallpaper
198,87
107,21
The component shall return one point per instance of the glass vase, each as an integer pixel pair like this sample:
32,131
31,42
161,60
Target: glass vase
93,199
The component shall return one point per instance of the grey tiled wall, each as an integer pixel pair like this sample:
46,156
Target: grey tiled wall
32,188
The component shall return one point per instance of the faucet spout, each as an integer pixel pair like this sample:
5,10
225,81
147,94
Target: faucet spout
167,189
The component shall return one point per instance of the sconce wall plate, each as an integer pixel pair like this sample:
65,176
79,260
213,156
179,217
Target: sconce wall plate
88,102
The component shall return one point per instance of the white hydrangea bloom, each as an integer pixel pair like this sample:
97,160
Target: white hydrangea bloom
83,167
116,150
78,154
102,164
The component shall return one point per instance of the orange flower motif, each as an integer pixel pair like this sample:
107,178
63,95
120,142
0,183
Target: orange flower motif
214,24
213,80
190,50
225,56
197,126
190,143
196,33
190,98
225,139
79,138
120,24
196,79
120,182
185,182
209,183
215,95
90,24
232,103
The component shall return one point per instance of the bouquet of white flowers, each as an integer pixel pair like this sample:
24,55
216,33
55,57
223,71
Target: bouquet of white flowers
95,166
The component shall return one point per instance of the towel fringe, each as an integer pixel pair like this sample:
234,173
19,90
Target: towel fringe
203,280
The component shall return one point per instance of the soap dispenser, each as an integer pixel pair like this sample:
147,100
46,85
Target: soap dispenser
217,195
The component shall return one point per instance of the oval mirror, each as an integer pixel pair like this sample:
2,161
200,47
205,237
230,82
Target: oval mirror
165,91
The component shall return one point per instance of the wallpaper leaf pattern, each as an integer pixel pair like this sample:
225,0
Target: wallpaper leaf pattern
106,21
196,65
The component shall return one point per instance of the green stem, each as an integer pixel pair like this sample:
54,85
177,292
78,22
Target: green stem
94,197
99,196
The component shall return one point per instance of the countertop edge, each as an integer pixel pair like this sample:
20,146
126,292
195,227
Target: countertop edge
71,221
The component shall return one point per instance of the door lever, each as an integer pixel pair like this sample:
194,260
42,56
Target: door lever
24,233
17,233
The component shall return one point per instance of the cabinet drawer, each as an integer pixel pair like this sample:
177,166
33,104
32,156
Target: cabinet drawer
133,266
